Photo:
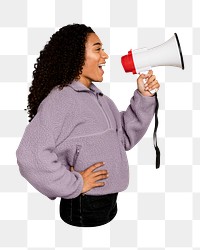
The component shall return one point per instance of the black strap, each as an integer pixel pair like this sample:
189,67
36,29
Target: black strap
154,134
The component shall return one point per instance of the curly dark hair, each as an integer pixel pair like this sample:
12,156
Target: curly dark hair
59,63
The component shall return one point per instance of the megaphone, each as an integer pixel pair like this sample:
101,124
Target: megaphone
140,60
166,54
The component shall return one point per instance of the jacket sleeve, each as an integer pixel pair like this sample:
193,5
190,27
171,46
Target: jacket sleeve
36,157
136,119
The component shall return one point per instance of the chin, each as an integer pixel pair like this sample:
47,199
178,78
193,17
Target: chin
99,80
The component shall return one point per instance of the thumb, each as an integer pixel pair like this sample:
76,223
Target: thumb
142,79
142,76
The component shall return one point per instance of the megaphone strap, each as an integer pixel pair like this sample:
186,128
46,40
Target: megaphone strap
155,135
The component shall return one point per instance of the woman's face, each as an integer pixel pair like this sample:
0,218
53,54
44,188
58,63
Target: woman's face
95,57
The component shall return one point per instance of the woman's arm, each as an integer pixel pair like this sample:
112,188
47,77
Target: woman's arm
36,156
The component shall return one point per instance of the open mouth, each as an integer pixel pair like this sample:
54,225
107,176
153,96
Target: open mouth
101,65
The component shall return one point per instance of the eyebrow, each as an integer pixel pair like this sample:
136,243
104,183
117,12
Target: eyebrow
97,44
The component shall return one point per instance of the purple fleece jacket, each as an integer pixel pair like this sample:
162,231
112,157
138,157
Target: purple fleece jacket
79,126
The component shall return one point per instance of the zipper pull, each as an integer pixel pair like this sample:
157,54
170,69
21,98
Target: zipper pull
78,148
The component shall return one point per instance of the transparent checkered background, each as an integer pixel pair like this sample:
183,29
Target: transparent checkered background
161,208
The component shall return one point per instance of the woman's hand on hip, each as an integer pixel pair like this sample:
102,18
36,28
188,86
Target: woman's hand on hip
92,178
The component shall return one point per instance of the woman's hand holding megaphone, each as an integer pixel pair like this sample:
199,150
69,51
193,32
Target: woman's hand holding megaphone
146,83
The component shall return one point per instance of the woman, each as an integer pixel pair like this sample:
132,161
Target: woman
74,146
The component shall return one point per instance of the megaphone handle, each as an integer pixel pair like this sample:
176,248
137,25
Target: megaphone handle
153,91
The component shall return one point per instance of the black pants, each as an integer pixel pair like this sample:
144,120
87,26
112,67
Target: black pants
89,210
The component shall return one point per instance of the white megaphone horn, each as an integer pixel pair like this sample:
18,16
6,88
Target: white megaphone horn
166,54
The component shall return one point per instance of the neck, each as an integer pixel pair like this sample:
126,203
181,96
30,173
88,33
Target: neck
85,82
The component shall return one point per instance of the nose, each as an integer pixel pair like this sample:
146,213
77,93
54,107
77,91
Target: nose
104,55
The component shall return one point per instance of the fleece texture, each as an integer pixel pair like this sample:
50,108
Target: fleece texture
79,126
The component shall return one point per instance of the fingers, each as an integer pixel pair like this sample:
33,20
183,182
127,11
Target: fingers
152,83
95,166
143,79
147,83
100,174
148,75
99,184
92,178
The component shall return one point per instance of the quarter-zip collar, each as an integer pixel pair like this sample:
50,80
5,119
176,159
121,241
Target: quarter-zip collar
78,86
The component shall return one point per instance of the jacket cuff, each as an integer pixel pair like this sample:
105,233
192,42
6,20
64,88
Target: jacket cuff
80,186
148,98
78,191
